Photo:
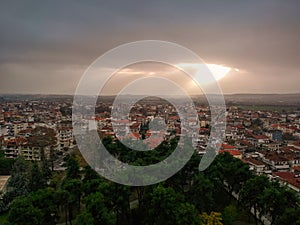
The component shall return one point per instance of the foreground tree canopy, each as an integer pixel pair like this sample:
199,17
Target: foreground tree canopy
189,197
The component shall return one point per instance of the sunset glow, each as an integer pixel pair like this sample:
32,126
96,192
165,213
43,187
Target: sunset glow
218,71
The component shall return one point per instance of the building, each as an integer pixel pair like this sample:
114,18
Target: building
288,178
257,166
65,137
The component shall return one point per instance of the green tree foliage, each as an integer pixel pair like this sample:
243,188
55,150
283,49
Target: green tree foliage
229,214
18,184
74,189
72,168
45,168
95,205
118,201
186,198
90,174
275,200
36,180
184,178
166,207
85,218
62,202
201,193
6,166
22,212
230,171
291,216
38,208
250,193
44,200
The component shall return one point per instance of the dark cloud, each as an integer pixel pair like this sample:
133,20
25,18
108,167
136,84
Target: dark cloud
51,42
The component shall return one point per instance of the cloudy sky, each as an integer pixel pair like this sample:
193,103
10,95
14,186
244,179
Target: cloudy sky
45,46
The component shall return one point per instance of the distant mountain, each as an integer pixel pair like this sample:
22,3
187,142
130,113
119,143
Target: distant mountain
292,100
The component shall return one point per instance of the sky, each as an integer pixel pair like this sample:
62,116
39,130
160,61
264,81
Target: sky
46,46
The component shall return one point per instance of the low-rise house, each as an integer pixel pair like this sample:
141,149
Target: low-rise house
271,146
276,161
259,140
288,178
257,166
231,150
12,146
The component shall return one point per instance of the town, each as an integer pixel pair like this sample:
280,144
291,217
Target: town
41,127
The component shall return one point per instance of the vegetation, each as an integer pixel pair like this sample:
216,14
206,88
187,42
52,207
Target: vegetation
189,197
6,166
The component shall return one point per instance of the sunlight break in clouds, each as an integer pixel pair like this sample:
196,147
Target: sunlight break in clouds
218,71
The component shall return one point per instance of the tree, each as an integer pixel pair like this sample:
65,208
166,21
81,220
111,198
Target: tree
42,137
52,158
45,168
229,214
44,199
19,182
36,180
214,218
201,193
251,192
6,166
95,205
62,199
22,212
273,202
166,207
277,201
119,203
90,174
91,186
72,168
236,174
290,216
230,171
85,218
74,188
184,178
21,166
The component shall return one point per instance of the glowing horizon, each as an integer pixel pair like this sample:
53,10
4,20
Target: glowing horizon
218,71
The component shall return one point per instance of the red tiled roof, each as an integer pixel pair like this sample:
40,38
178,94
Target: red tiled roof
260,137
132,135
135,135
15,141
226,146
153,141
275,125
254,161
297,168
284,175
245,142
289,177
231,152
121,121
276,157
